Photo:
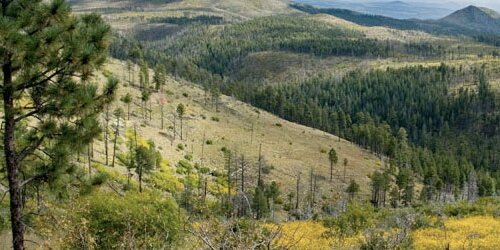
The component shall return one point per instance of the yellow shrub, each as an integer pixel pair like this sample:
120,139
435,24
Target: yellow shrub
309,235
478,232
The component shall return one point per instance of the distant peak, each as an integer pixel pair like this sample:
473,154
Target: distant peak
473,10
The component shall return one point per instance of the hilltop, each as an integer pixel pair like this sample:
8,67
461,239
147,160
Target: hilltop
475,18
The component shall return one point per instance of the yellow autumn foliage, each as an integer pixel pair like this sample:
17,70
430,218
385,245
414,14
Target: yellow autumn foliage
477,232
310,235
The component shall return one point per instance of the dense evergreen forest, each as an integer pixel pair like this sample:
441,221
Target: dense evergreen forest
451,135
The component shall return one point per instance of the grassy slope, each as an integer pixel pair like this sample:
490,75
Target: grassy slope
231,10
291,148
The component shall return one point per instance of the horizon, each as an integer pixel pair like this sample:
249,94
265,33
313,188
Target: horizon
453,5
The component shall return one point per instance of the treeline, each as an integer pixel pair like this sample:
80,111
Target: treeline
454,134
185,20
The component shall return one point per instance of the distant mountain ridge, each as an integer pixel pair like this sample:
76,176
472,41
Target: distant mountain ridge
471,21
476,18
395,9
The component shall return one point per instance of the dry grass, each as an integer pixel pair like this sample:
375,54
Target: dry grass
291,148
231,10
381,33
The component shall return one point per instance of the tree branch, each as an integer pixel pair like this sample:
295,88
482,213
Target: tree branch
32,83
31,113
33,178
30,149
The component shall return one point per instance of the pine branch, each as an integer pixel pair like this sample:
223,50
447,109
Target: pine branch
32,83
30,149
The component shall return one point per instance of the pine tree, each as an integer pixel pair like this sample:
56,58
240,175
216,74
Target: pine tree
214,90
127,99
118,114
260,202
145,160
145,96
352,189
159,78
181,110
333,158
47,57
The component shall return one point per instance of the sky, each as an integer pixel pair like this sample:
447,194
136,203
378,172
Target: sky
493,4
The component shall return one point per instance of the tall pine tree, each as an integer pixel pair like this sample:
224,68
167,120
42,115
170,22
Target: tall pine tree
47,57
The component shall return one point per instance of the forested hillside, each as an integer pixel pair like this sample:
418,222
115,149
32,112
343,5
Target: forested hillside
210,124
471,21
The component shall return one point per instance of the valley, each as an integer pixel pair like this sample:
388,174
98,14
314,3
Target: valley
233,124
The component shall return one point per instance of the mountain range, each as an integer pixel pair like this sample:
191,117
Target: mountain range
470,21
394,9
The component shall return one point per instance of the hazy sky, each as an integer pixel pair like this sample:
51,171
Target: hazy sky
481,3
452,4
494,4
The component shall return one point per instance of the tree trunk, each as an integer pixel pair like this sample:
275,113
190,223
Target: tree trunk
174,127
128,111
150,110
259,177
331,171
89,158
298,190
161,116
11,161
140,179
180,117
117,131
106,135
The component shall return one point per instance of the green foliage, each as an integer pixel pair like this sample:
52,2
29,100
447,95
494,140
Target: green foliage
260,202
133,221
332,156
483,206
356,218
352,189
181,110
159,78
165,180
188,157
145,159
184,167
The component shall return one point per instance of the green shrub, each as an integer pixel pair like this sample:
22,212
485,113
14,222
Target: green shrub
180,146
357,217
215,119
204,170
188,157
209,142
99,179
143,220
184,167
